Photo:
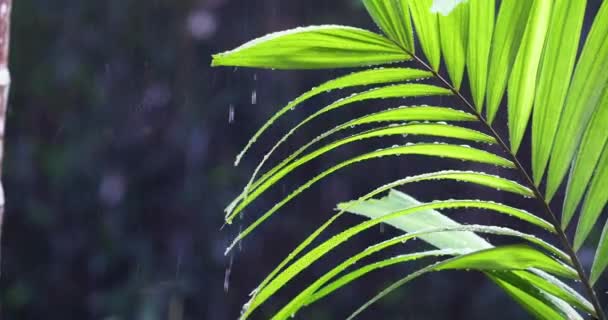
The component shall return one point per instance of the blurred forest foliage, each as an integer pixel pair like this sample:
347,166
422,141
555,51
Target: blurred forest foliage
119,162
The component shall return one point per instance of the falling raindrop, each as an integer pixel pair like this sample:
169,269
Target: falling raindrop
254,97
231,114
227,274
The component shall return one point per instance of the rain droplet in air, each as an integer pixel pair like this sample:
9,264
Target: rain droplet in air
254,97
231,114
227,274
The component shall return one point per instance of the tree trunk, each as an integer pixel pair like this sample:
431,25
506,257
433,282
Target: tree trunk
5,81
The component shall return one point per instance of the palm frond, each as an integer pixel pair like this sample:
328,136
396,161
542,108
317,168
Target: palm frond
528,53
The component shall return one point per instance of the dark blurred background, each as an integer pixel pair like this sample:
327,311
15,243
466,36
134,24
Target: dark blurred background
119,162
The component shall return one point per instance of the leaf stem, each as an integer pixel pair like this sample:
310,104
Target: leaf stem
537,193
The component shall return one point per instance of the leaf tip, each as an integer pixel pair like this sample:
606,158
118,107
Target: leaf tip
550,191
216,60
593,278
565,222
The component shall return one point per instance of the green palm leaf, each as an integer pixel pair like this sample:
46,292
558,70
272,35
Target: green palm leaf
396,115
481,27
593,142
427,28
453,30
433,150
417,221
429,219
530,52
287,166
588,84
521,258
601,256
317,47
538,304
510,27
556,70
522,83
595,201
506,258
361,78
387,92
